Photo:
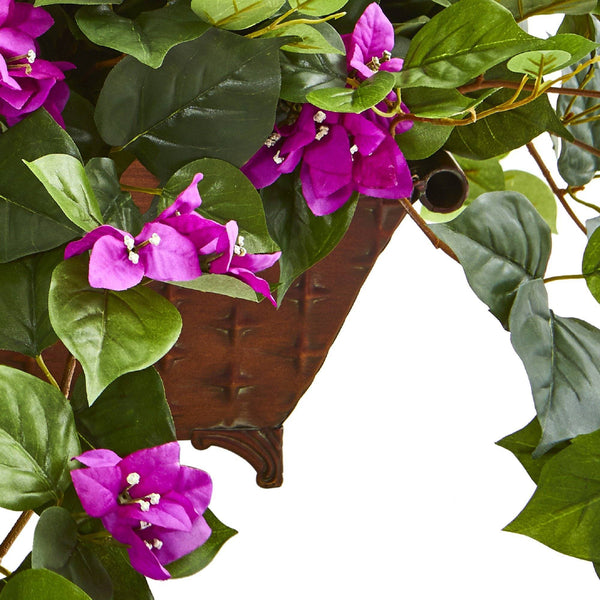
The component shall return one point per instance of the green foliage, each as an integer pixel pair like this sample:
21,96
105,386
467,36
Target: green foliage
311,40
501,242
423,140
436,102
158,114
235,14
198,559
110,333
147,38
41,583
37,441
80,125
56,547
523,9
591,264
538,62
317,8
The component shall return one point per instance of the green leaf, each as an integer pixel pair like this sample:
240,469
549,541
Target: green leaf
198,559
148,37
523,443
422,140
131,413
56,547
128,584
24,322
317,8
221,284
65,180
30,219
173,115
536,191
235,14
538,62
523,9
560,359
437,103
501,242
564,512
110,333
116,206
311,40
226,194
347,100
42,584
303,238
37,441
591,264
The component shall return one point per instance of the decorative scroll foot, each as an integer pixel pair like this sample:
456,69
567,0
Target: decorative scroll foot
260,447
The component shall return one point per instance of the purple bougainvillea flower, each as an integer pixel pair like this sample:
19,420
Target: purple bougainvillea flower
342,153
147,501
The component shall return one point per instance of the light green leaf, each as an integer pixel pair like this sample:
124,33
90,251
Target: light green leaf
149,37
65,180
311,40
42,584
501,242
591,264
538,62
110,333
317,8
235,14
37,441
347,100
221,284
560,359
437,103
523,9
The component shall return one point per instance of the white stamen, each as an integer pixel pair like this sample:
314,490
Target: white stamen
154,498
319,117
177,213
374,64
240,240
157,544
133,478
129,242
386,55
144,525
154,239
148,544
272,139
31,56
133,257
278,159
144,505
322,132
239,250
353,149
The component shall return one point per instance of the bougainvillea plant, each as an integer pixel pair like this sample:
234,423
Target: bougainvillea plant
264,123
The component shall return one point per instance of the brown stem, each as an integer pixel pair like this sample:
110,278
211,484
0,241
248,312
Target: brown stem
514,85
13,534
560,194
418,219
65,384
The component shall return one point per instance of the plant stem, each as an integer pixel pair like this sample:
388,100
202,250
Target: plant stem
563,277
13,534
560,194
421,223
143,190
42,365
4,571
65,384
585,146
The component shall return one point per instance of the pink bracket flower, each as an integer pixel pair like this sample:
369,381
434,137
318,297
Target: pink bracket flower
147,501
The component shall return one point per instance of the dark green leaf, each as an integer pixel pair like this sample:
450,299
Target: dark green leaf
347,100
24,322
65,180
501,242
147,38
582,25
80,125
560,359
131,413
423,139
591,264
198,559
31,220
436,102
56,547
42,584
317,8
303,238
564,512
110,333
235,14
37,441
176,114
523,9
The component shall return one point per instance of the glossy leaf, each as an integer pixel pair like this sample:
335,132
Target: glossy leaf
303,238
436,102
41,583
523,9
423,139
347,100
311,40
235,14
65,180
538,62
56,547
147,38
130,414
591,264
536,191
201,557
37,441
317,8
564,512
173,115
221,284
501,242
24,322
560,359
30,220
110,333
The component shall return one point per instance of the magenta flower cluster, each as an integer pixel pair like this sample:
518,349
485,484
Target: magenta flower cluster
170,248
26,81
342,153
147,501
